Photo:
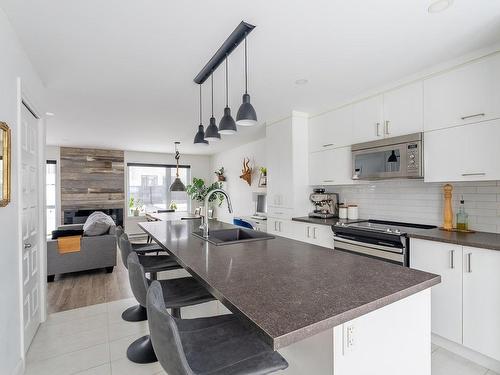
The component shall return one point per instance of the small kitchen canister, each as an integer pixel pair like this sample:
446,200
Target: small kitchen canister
342,212
352,212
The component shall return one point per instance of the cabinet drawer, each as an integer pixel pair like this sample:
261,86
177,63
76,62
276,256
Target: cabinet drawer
279,213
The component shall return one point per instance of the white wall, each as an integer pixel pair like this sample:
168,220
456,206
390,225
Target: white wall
238,189
419,202
13,64
200,167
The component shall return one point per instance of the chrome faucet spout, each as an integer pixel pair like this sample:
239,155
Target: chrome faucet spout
205,215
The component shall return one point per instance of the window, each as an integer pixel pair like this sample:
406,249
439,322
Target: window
50,198
149,185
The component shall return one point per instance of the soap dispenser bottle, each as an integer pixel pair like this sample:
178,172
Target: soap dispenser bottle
462,217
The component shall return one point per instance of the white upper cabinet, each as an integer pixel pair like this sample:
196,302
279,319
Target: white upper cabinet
331,129
463,153
481,301
464,95
330,167
367,119
403,110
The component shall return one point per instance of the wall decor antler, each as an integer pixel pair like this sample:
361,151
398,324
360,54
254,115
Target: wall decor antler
246,171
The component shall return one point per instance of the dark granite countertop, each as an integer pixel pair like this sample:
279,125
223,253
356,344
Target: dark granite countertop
287,290
483,240
329,222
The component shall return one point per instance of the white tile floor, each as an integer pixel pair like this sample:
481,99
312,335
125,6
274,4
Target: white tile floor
93,341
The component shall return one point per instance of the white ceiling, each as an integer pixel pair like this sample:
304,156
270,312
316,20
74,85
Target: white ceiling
119,72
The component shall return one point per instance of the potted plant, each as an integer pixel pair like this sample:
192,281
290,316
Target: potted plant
134,206
197,191
220,174
173,206
263,177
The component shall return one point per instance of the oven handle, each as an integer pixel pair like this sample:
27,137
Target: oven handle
365,244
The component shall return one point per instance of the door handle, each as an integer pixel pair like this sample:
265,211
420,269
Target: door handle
474,174
275,226
279,225
314,232
452,259
387,132
471,116
378,129
469,263
27,245
308,232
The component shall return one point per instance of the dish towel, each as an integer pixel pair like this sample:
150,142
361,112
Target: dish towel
70,244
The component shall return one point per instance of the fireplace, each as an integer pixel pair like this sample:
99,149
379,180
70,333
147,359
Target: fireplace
79,216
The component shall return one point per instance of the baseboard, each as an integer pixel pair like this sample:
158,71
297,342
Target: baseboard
19,369
467,353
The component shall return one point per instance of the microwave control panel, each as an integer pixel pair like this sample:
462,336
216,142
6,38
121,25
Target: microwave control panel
413,157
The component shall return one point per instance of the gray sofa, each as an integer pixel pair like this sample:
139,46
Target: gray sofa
95,252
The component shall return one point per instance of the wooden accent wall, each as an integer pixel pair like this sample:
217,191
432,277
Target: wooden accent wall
92,178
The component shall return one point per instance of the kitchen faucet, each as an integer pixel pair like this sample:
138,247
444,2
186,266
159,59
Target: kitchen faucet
204,226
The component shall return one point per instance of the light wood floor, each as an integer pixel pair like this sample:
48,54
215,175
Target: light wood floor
73,290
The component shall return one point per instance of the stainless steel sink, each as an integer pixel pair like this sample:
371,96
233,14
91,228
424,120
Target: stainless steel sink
233,236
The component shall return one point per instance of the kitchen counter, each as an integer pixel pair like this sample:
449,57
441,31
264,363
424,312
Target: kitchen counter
287,290
172,216
329,222
483,240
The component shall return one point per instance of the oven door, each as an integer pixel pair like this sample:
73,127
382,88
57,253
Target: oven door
380,162
389,252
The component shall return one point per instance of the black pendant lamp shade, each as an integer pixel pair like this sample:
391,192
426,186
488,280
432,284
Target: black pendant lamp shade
212,133
199,138
177,185
246,115
227,126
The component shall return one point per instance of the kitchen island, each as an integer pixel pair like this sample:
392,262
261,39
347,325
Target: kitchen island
326,311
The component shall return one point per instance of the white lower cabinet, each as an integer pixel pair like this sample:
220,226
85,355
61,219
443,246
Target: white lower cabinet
280,227
481,294
445,260
320,235
466,305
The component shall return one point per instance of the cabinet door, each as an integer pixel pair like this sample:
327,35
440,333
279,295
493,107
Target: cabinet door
403,110
321,167
279,160
461,96
322,235
481,305
331,129
342,166
367,120
463,153
444,260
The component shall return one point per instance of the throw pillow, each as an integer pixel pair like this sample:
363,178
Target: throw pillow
97,224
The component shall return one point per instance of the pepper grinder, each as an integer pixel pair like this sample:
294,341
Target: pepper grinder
448,210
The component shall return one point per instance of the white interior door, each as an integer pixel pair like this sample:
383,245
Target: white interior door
30,204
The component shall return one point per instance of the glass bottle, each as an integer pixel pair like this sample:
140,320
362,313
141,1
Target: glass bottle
462,217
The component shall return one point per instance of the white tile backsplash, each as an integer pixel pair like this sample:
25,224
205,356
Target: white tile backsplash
419,202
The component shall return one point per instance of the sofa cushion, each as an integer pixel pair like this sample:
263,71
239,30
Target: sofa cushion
66,233
97,224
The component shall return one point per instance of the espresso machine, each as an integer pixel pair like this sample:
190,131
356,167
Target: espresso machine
326,205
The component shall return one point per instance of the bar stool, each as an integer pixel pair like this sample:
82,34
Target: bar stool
180,292
152,264
141,248
217,345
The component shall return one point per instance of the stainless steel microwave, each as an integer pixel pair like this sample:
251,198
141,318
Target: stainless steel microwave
396,157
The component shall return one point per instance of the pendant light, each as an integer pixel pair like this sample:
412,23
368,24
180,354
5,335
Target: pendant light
246,114
227,126
212,133
177,185
199,138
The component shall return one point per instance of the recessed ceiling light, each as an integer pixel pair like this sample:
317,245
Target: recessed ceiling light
439,5
50,113
301,81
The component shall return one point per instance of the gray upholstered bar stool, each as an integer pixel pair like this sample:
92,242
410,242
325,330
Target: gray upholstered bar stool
180,292
218,345
152,264
140,248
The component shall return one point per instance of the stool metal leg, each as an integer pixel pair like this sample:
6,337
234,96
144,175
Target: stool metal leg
136,313
141,351
176,312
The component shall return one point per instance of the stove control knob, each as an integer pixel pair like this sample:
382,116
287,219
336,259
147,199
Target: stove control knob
388,230
397,231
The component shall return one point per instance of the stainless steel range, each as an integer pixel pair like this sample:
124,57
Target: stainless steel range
386,240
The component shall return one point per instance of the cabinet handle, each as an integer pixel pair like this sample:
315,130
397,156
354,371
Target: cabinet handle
279,225
308,233
328,180
471,116
328,145
469,265
275,226
387,127
314,233
378,129
452,259
474,174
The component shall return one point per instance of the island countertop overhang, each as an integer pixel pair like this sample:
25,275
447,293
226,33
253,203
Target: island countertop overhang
288,290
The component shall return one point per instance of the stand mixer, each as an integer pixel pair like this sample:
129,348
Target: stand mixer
325,204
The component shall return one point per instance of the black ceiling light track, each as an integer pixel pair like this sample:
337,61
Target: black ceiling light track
229,45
